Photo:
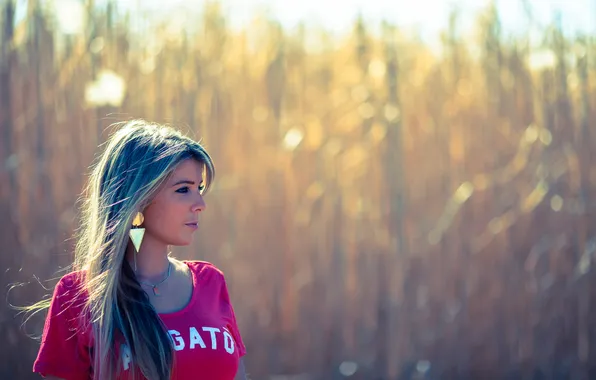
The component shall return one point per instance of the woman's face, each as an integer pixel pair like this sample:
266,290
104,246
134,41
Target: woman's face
173,215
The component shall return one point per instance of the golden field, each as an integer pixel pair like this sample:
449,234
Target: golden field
381,210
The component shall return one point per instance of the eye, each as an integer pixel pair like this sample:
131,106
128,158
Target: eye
201,188
182,190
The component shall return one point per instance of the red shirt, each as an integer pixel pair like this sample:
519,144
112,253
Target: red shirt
205,335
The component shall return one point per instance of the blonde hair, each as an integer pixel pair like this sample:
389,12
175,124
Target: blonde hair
138,157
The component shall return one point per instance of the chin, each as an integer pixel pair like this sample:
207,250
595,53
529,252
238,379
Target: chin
183,242
180,243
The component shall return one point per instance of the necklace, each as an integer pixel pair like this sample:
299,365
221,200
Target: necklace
155,286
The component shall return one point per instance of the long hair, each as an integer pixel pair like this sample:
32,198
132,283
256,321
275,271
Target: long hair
137,158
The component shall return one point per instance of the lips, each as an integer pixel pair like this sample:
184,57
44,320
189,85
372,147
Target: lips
192,224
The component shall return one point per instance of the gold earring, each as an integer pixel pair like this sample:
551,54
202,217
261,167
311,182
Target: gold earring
136,232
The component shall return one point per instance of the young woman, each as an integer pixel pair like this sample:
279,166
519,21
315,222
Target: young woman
128,310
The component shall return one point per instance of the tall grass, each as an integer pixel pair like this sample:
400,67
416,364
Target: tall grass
382,209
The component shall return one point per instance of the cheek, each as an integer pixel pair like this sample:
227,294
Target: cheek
163,217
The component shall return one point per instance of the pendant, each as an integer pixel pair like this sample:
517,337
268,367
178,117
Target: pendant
156,291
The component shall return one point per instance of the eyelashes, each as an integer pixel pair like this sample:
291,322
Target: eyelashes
186,189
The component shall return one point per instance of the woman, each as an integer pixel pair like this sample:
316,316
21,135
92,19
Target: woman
129,310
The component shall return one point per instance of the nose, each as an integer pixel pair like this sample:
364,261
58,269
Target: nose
199,204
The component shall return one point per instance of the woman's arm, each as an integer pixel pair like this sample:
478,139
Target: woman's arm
241,374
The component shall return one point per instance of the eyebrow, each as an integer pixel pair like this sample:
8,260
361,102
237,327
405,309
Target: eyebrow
184,182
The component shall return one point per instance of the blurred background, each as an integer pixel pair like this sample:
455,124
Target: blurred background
404,188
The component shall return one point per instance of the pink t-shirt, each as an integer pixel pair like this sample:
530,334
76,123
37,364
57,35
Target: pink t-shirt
205,335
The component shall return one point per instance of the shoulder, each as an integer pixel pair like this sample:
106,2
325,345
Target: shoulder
71,288
207,273
204,268
72,279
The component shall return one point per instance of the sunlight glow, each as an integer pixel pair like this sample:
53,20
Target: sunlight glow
292,139
108,89
70,16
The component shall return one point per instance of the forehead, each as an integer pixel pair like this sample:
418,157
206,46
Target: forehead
189,169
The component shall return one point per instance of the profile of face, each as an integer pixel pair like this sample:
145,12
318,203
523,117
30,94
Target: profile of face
173,214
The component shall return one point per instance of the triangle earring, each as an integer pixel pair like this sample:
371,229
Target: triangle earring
137,232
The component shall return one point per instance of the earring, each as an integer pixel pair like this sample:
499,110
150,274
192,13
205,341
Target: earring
136,233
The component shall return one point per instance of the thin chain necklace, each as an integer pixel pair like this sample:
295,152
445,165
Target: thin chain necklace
155,286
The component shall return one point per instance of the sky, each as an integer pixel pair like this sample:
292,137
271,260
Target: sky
426,17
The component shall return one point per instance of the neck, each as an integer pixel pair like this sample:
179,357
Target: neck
151,260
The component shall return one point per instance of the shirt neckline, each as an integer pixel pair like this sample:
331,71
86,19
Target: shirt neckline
193,295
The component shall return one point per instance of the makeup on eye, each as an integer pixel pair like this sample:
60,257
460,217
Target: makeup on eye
186,189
